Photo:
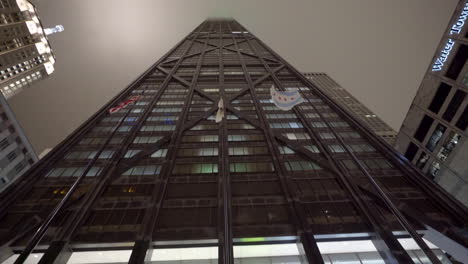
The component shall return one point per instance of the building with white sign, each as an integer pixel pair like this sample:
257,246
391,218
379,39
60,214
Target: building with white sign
434,133
25,53
352,105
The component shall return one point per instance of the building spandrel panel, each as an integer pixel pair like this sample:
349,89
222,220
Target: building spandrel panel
154,174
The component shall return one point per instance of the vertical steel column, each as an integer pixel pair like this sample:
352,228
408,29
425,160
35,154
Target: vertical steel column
145,234
295,209
225,248
393,251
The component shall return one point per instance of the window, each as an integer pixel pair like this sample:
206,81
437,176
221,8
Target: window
251,167
204,127
286,125
457,63
168,120
73,172
240,126
206,138
12,156
158,128
4,144
462,122
131,152
146,140
349,134
280,116
19,167
453,106
312,148
285,150
336,148
422,160
423,128
166,110
312,115
137,110
377,164
301,166
198,152
448,146
339,124
411,151
240,151
349,164
161,153
198,168
233,138
326,135
439,97
297,136
144,170
318,124
435,137
361,148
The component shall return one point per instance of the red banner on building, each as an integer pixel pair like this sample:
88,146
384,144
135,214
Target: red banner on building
124,104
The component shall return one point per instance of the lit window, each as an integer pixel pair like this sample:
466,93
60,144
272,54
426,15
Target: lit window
301,166
251,167
198,168
144,170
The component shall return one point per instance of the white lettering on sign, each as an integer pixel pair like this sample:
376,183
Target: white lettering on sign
439,63
455,29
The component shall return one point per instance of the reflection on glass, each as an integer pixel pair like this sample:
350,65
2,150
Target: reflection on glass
435,137
448,146
434,169
422,160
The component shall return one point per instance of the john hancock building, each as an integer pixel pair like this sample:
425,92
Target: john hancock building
197,162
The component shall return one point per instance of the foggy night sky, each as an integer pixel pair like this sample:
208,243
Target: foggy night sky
378,50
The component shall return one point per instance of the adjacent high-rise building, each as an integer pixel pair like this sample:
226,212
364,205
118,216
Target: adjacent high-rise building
25,53
153,176
434,133
347,101
16,153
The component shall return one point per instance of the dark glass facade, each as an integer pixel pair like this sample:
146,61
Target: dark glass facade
161,173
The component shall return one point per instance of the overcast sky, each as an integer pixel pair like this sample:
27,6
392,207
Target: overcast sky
379,50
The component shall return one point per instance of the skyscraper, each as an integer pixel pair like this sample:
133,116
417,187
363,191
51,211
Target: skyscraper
434,133
152,176
25,54
16,153
346,100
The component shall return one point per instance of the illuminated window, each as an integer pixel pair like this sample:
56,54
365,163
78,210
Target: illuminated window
301,166
206,138
146,140
158,128
198,152
240,126
161,153
245,138
251,167
297,136
198,168
239,151
144,170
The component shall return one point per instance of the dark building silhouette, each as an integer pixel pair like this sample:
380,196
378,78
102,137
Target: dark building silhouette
159,180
